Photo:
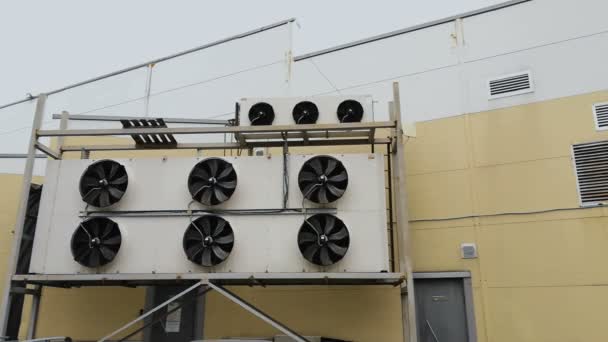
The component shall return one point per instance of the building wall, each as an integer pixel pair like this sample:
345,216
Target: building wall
539,275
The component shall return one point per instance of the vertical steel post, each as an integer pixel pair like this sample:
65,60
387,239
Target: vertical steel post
405,264
148,90
31,326
18,235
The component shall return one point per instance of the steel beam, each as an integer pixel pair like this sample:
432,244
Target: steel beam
217,130
257,312
18,235
47,150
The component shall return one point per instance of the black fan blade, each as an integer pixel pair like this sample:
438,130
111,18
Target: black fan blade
194,235
334,191
219,228
206,259
330,223
310,189
120,180
339,250
315,163
200,173
92,195
81,238
107,253
314,223
104,198
197,188
308,177
117,194
213,167
90,181
204,223
342,176
324,256
227,185
226,172
100,171
331,166
310,251
94,258
339,235
219,195
113,169
92,226
113,241
219,252
307,237
194,250
82,253
322,195
107,230
225,240
206,198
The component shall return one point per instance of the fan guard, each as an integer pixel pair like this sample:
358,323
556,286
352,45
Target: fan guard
305,113
103,183
208,240
96,242
323,239
261,114
323,179
212,181
350,111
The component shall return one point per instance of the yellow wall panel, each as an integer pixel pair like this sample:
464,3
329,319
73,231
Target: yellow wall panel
363,314
535,131
438,146
555,314
530,186
439,250
88,313
438,195
547,253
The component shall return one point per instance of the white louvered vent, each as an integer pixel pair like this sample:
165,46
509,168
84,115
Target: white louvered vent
510,85
600,113
591,162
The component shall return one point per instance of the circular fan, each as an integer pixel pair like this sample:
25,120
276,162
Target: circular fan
96,242
103,183
305,113
208,240
323,239
212,181
323,179
350,111
261,114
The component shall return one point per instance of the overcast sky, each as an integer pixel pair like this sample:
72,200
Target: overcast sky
48,44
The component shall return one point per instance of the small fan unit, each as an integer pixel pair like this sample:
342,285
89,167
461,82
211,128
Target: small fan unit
212,181
323,239
323,179
96,242
208,240
261,114
305,113
103,183
350,111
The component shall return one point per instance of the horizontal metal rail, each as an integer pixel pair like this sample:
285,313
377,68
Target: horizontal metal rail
158,60
81,117
216,130
201,212
20,156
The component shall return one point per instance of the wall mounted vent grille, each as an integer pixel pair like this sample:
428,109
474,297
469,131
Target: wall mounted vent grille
510,85
591,163
600,113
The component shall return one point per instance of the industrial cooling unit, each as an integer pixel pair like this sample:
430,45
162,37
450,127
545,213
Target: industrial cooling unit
258,214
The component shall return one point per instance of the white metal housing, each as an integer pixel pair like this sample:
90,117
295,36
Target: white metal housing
327,105
263,243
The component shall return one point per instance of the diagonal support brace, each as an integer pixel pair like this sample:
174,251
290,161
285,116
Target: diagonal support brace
245,305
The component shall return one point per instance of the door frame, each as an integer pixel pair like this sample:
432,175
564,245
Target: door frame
468,295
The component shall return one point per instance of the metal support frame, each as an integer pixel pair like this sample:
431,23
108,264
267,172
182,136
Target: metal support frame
257,312
405,264
18,235
247,139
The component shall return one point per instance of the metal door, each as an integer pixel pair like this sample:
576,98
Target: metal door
441,310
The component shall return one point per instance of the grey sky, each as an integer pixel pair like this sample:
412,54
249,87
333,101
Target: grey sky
48,44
